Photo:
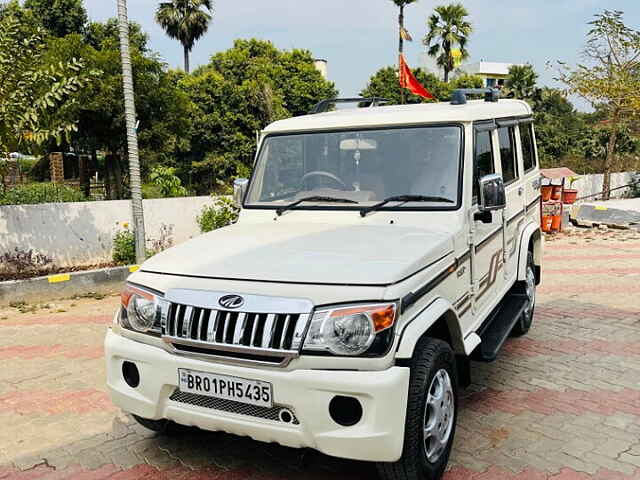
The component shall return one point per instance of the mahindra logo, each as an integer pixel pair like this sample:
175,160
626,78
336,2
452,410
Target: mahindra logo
231,301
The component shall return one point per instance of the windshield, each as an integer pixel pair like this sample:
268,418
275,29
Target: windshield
365,166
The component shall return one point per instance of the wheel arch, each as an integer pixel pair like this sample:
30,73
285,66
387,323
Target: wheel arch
437,320
530,241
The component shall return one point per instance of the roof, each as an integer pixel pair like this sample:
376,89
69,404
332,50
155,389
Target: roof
487,68
556,173
403,115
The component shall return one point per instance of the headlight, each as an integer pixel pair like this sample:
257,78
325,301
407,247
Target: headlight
351,330
140,310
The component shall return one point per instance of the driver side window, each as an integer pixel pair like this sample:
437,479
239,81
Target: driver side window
285,168
483,163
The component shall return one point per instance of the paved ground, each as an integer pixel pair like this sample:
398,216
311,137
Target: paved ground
562,403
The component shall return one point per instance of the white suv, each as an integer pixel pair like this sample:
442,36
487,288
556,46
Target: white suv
378,250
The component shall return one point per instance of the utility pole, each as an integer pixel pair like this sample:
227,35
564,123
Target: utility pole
132,134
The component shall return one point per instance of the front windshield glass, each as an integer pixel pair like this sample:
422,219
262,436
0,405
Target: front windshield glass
365,166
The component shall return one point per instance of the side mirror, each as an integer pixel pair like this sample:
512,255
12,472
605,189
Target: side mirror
239,191
492,196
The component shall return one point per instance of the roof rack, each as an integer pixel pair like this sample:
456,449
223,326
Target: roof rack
459,96
325,105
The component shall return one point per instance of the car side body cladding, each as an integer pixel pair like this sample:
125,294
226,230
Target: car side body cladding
438,317
531,239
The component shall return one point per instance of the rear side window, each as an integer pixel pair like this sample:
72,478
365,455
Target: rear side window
483,159
507,154
528,149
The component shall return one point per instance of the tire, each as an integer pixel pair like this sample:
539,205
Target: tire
431,358
158,426
529,287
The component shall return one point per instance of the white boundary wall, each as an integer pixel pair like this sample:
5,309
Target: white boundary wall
592,184
78,234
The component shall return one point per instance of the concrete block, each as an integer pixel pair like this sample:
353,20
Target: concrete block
586,215
54,287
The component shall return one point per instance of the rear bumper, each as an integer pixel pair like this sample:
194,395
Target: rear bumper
377,437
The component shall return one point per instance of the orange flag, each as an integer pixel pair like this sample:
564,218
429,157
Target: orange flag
409,81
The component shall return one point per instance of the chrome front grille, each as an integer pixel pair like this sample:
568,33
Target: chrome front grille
266,330
262,330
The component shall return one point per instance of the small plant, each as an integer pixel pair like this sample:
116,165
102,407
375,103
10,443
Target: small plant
124,244
24,307
218,215
124,248
573,180
164,241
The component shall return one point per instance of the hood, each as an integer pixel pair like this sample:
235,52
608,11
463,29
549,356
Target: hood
306,253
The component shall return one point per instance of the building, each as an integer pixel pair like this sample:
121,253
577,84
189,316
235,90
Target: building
322,66
493,74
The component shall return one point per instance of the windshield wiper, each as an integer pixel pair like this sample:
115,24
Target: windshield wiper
403,198
316,198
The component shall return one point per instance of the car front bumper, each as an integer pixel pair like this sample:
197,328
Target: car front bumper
378,436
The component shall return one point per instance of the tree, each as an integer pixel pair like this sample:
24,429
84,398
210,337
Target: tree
60,17
35,95
163,109
132,132
521,81
384,83
610,79
185,21
402,33
105,35
238,93
448,28
559,127
167,182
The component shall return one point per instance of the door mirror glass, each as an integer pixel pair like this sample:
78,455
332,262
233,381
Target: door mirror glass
492,196
239,191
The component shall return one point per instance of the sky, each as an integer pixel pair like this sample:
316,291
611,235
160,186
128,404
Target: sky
357,37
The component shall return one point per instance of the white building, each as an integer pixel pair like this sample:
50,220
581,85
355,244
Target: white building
493,73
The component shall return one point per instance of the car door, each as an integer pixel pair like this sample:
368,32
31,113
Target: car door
509,167
487,232
530,171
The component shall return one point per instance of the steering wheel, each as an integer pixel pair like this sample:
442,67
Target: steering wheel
321,173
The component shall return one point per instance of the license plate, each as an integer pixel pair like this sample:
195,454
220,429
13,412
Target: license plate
252,392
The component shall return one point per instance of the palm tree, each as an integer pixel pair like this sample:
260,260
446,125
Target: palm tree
132,136
448,28
186,21
521,81
402,32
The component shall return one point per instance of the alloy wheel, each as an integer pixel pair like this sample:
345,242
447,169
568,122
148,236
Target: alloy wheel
438,415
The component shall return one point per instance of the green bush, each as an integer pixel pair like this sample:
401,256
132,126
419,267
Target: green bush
218,215
40,193
124,248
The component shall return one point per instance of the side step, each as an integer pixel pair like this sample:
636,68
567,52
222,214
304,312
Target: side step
496,329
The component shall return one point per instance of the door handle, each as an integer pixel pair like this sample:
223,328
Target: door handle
520,191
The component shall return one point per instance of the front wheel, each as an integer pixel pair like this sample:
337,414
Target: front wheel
432,410
526,319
